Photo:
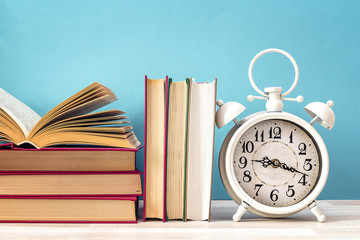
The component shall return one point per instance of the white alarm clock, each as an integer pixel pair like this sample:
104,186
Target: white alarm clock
273,163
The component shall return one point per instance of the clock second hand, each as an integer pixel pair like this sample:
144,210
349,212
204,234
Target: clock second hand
266,162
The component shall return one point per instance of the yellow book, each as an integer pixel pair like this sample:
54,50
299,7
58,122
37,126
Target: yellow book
155,147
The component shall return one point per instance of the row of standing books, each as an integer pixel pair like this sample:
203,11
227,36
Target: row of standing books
179,147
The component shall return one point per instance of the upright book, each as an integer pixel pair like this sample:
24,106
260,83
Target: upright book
200,149
155,147
68,123
176,149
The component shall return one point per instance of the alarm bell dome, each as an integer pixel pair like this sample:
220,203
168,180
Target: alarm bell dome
322,113
227,112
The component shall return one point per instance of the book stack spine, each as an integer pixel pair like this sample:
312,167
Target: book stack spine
69,185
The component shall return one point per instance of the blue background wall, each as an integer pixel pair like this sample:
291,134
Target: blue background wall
52,49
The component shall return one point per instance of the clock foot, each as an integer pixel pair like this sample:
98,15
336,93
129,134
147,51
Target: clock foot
317,212
241,211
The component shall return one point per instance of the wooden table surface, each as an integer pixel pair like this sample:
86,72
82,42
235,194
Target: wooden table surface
343,222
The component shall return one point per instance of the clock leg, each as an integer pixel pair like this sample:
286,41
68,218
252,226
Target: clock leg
317,212
241,211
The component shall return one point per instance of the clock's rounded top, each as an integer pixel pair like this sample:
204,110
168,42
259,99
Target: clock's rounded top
278,51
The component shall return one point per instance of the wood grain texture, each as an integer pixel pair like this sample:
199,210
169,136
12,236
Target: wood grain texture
343,222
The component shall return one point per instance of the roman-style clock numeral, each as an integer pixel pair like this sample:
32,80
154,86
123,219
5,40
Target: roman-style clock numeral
275,133
261,136
242,162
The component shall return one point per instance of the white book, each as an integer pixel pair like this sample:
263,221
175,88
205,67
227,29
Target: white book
200,152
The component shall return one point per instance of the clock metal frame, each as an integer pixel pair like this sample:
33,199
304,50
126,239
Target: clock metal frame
227,169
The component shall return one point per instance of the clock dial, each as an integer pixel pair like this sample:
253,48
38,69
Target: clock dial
276,163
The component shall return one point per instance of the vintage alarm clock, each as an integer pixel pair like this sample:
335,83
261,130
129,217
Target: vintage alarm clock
273,163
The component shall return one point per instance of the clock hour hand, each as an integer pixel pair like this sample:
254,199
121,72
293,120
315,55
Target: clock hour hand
276,163
265,161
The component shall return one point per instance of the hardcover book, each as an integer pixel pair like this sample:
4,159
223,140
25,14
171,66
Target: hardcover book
155,147
200,149
70,184
65,159
68,210
70,122
176,149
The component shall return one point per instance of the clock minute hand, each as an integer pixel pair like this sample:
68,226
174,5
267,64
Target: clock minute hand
286,167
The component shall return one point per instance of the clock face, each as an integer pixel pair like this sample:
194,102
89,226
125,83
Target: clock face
276,163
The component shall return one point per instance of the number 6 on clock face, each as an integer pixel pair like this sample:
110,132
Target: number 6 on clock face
276,163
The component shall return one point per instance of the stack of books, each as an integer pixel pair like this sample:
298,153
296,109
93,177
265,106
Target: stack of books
46,176
179,147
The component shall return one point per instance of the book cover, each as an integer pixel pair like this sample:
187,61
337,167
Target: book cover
58,209
84,159
79,184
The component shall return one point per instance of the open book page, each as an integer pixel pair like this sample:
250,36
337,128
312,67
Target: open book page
87,100
24,116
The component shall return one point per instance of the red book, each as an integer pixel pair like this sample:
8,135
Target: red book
84,159
68,210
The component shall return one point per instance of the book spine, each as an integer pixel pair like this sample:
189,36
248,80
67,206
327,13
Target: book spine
167,136
73,196
69,172
122,198
212,162
12,147
186,144
165,143
77,222
144,185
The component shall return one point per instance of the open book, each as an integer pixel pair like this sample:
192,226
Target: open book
70,122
